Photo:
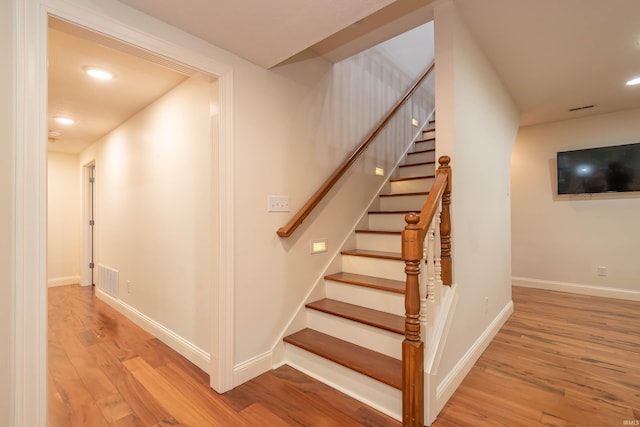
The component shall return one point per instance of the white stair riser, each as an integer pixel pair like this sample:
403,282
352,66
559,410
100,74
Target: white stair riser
412,186
375,299
428,156
375,339
403,203
376,267
367,390
387,222
424,145
378,242
413,171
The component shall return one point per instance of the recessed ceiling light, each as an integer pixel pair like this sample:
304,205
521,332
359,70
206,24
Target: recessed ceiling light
54,134
99,73
634,82
64,120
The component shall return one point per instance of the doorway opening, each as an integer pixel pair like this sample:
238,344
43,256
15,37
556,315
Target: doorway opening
152,141
152,38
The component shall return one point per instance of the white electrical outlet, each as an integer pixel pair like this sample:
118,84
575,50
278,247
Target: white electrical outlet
602,271
486,304
278,204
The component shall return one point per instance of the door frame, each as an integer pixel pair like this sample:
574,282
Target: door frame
120,22
87,276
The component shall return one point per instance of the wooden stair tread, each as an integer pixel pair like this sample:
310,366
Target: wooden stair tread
380,231
388,212
426,139
373,254
412,178
379,319
367,362
417,164
380,283
422,151
417,193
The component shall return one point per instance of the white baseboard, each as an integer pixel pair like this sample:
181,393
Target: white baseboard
253,367
63,281
577,288
193,353
450,383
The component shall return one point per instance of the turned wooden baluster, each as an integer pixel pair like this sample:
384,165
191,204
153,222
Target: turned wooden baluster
438,254
412,346
430,287
445,224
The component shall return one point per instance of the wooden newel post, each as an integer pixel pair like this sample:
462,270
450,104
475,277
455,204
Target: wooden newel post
412,346
445,223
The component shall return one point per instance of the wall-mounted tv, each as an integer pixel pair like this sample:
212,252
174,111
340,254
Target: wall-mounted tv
599,170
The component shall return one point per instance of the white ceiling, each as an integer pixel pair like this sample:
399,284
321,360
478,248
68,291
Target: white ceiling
97,106
552,55
264,32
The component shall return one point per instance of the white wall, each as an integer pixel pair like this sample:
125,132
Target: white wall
410,51
7,217
477,126
152,210
559,241
63,219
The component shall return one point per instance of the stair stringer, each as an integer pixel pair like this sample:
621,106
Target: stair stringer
441,392
434,348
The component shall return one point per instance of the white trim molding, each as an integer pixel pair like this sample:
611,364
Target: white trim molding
577,288
30,353
193,353
253,367
450,383
435,348
63,281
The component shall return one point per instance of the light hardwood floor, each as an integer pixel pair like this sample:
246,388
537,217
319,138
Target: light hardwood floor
560,360
104,370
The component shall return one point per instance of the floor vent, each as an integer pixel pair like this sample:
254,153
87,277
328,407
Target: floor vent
108,280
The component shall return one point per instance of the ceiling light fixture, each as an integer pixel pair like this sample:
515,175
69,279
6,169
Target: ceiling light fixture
99,73
64,120
633,82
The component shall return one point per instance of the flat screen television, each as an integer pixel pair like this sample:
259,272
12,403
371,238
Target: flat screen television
599,170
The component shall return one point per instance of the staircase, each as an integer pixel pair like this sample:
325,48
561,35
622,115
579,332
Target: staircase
353,339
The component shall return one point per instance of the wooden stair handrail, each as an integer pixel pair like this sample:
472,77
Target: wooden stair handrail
412,252
317,197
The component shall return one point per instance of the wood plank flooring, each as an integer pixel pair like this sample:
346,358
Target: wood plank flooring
560,360
105,371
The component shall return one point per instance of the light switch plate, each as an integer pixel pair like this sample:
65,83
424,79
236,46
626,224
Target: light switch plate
278,204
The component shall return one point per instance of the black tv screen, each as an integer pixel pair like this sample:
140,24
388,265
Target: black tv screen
599,170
